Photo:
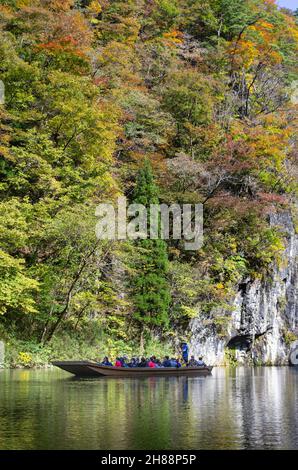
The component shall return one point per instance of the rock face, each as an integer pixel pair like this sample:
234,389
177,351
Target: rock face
264,317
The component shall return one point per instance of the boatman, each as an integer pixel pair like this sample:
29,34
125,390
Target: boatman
184,349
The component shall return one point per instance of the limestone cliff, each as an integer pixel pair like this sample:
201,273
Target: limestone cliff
264,316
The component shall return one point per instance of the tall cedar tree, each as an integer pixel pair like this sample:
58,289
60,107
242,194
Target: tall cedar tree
150,285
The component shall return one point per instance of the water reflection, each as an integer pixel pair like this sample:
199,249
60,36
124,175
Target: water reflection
232,409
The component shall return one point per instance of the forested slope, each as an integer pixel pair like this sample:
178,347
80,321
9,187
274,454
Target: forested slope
189,101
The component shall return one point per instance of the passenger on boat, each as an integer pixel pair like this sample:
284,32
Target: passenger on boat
118,362
166,362
133,362
174,362
152,363
192,362
142,363
155,361
106,362
124,361
200,362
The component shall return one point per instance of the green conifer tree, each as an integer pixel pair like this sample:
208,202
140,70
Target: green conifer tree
150,285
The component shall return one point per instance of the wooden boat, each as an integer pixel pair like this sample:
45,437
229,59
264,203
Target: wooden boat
94,369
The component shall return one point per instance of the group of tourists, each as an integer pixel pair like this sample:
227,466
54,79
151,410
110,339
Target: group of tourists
154,362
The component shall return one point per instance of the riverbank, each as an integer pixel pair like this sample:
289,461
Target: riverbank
21,354
70,345
42,357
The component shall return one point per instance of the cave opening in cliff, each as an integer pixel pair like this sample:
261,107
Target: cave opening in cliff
244,342
240,342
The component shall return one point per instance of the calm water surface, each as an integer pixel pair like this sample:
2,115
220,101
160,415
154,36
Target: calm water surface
232,409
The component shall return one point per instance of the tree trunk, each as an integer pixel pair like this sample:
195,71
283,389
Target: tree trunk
142,342
64,312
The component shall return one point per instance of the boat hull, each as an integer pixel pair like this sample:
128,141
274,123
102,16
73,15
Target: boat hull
92,369
78,368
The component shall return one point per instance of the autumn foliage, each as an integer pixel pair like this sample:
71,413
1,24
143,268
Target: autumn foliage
203,90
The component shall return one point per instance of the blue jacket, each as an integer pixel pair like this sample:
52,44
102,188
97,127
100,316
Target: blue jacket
106,363
167,363
185,349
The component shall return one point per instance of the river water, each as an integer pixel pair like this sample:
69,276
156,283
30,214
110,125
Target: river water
242,408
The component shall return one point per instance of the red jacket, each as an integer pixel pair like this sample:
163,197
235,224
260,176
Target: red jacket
151,364
118,364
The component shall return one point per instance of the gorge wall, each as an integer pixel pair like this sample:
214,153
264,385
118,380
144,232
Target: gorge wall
264,318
